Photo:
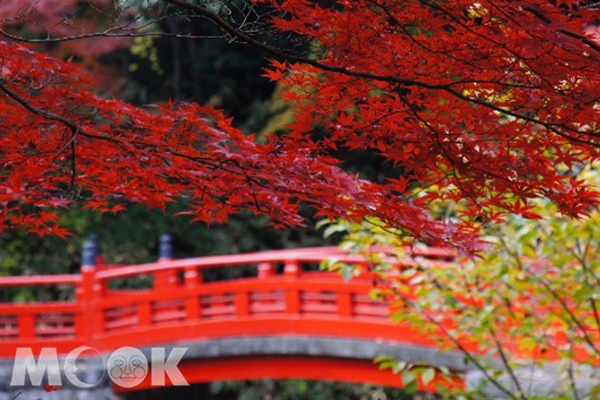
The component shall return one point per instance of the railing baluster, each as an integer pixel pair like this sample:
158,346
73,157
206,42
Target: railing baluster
265,270
27,326
99,290
292,271
293,292
242,304
85,291
193,279
144,310
161,280
344,304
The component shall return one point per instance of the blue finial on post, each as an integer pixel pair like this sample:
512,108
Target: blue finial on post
91,250
165,247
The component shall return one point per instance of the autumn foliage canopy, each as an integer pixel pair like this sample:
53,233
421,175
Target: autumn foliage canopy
492,103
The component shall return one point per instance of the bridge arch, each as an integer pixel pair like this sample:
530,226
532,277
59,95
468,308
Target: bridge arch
302,357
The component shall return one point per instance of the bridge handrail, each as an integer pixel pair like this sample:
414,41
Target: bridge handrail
301,255
179,298
40,280
305,255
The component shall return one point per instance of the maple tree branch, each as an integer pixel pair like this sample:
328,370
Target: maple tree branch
45,114
571,315
392,231
595,311
571,373
583,262
228,28
539,15
70,124
450,336
236,33
129,29
487,38
77,130
73,164
397,23
224,25
550,126
574,321
506,363
106,34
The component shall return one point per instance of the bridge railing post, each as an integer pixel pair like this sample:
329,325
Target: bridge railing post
265,270
192,281
292,271
144,314
344,304
27,326
88,290
242,304
168,278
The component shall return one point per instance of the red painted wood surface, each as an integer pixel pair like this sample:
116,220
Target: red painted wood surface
293,367
181,306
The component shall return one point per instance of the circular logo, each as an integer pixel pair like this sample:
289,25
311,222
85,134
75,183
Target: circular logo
81,367
127,367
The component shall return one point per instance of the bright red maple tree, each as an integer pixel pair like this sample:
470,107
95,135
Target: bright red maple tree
494,102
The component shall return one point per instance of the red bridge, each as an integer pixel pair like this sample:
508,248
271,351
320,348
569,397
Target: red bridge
285,321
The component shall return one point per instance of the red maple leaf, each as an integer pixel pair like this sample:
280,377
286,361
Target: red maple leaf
52,388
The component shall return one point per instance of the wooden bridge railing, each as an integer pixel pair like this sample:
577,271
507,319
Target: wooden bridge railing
180,305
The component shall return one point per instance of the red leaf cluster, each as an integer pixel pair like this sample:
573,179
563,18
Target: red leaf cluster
494,103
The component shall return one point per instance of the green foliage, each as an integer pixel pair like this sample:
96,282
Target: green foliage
531,301
144,48
411,373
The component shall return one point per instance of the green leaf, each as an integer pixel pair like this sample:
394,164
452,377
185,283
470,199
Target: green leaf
382,358
428,375
527,343
330,230
408,377
583,293
450,301
400,366
411,387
